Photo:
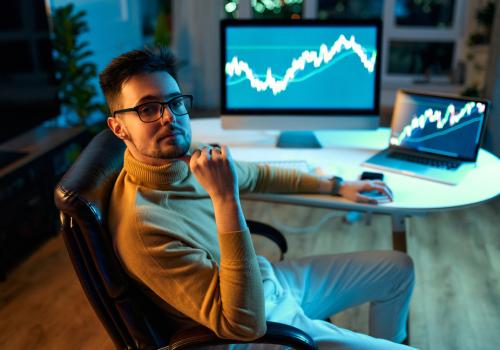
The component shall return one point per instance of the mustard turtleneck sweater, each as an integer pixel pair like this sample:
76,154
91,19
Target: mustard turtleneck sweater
164,231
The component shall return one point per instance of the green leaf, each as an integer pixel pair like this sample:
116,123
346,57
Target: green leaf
75,71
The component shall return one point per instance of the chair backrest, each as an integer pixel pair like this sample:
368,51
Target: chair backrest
131,318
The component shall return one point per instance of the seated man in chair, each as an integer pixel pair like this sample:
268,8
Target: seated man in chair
178,227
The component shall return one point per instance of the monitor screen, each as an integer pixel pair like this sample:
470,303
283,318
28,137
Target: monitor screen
300,67
450,126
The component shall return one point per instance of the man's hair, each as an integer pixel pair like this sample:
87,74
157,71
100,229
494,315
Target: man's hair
125,66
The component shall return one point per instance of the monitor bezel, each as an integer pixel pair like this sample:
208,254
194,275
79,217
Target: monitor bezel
443,96
287,112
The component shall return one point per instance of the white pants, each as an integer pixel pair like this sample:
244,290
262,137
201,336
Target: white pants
304,292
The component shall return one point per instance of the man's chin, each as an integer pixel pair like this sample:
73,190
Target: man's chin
176,152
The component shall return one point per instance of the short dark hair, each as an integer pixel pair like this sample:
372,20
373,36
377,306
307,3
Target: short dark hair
125,66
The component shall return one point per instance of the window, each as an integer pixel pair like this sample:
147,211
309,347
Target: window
420,58
231,8
350,9
157,22
422,39
266,9
424,13
263,9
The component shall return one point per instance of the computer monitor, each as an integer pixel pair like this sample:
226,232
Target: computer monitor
300,75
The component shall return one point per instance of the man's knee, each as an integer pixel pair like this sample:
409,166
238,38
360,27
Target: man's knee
405,267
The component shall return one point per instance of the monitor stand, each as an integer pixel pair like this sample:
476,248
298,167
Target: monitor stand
297,139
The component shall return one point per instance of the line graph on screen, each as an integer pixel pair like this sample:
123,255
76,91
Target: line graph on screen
314,62
434,124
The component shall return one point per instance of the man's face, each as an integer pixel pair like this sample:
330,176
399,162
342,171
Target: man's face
151,143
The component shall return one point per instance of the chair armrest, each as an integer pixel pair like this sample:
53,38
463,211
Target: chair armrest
270,232
280,333
277,333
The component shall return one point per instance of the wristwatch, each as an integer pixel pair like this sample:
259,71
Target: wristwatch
337,183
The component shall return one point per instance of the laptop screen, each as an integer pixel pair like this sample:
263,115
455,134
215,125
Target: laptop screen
438,124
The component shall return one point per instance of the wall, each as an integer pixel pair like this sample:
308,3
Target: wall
196,45
492,137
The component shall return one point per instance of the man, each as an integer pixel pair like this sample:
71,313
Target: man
179,229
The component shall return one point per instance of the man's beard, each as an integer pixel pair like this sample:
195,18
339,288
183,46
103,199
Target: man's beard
179,150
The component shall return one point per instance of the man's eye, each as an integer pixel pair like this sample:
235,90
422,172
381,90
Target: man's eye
177,103
146,110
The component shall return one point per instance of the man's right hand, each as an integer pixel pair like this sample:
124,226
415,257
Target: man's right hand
215,171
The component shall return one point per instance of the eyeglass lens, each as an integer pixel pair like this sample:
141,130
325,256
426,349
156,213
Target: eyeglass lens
150,111
179,106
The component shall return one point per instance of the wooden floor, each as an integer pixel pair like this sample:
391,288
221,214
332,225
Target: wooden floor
456,304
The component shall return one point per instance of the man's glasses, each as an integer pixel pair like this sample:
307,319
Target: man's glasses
152,111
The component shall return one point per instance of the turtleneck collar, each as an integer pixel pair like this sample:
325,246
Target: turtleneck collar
156,175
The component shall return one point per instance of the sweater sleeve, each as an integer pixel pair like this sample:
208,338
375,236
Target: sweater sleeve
227,298
264,178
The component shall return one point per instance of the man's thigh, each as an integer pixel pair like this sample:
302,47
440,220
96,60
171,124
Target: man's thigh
327,337
325,285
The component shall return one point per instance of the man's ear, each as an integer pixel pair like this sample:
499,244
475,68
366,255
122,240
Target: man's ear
116,125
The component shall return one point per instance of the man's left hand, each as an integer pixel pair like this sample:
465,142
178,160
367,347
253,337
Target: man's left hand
353,190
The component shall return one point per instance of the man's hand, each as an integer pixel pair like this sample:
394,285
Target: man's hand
353,190
215,171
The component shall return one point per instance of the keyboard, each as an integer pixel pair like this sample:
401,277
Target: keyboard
299,165
424,160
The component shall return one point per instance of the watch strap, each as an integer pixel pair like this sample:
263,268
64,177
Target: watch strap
337,183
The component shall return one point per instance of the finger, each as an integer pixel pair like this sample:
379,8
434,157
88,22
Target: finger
367,185
212,147
216,153
194,159
387,190
390,191
382,183
226,153
382,189
215,146
195,155
205,153
364,199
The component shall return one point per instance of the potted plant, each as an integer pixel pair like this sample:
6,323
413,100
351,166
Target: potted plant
478,44
74,71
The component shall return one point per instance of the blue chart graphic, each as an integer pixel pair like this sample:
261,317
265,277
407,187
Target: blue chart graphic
306,67
450,128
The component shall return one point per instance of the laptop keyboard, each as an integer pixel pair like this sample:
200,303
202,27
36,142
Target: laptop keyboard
425,161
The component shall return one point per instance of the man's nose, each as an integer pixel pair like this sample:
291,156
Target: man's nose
168,117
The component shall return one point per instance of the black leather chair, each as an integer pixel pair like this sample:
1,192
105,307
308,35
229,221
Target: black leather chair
132,320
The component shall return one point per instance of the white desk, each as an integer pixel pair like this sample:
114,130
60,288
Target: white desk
342,154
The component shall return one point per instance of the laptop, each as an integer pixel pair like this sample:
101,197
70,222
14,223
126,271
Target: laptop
433,136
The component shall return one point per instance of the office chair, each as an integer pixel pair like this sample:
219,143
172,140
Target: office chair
131,318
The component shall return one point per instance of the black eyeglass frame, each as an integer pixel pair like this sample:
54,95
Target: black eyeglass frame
163,104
